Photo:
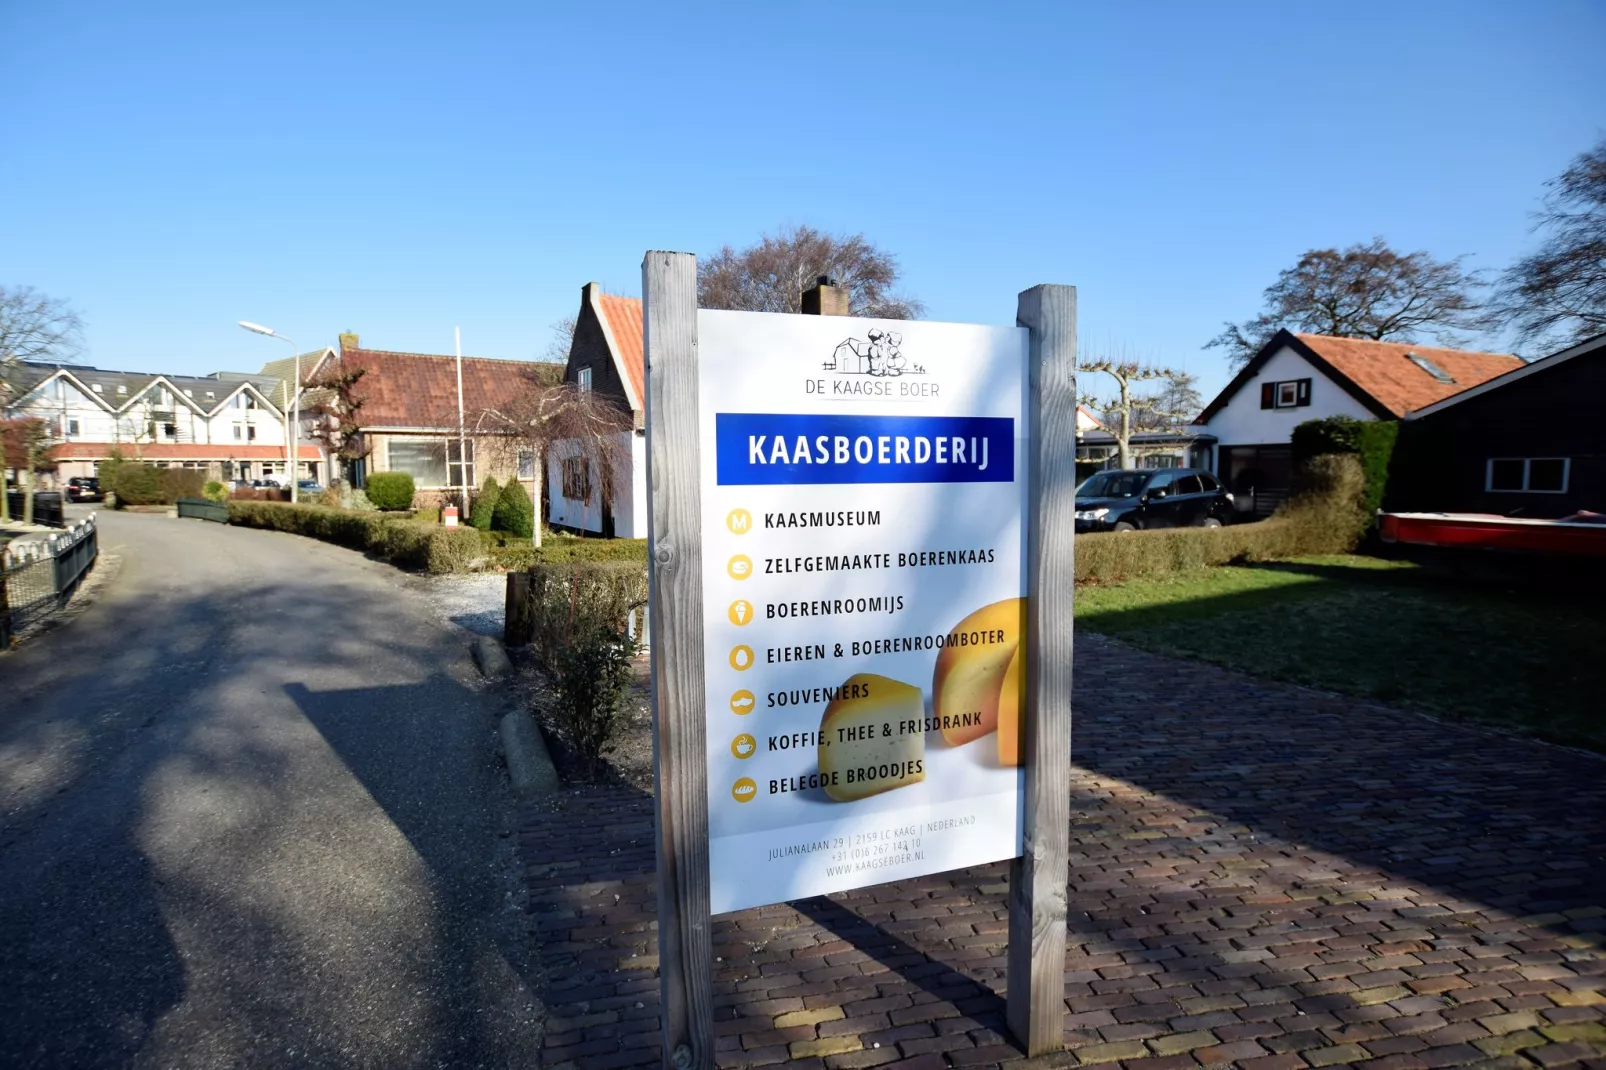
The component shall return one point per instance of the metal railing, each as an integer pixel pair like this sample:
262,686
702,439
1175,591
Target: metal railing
47,506
202,509
42,574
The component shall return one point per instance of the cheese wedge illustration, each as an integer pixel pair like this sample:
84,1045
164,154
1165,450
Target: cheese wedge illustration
1012,710
874,742
969,679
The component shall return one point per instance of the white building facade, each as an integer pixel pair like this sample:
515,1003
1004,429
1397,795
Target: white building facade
231,428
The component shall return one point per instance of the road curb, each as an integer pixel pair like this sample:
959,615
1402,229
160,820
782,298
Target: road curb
490,658
529,765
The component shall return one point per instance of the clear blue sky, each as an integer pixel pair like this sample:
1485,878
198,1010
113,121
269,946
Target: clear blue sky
398,169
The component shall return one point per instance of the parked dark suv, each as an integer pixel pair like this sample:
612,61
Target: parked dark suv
1127,499
84,489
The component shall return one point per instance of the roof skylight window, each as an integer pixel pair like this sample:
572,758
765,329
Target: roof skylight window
1431,368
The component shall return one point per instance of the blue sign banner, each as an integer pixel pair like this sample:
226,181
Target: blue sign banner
768,449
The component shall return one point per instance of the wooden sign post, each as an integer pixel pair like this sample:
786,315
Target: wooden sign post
916,414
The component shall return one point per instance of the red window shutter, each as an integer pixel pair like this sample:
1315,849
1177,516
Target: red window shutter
1268,395
1304,392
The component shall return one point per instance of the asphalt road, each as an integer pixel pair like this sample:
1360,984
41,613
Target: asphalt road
251,815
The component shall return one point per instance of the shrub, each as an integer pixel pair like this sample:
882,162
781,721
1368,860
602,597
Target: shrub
563,593
400,541
454,550
137,484
514,512
106,470
557,549
215,491
179,483
1370,440
391,490
1322,516
1327,503
485,505
581,627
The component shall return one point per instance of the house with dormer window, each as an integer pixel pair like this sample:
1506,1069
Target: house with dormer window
1299,377
229,425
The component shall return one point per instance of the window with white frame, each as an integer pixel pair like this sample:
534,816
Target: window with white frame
1528,475
1288,394
526,462
239,432
460,463
72,427
583,377
423,459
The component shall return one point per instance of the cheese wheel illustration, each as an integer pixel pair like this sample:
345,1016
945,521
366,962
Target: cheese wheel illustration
874,741
970,675
1012,710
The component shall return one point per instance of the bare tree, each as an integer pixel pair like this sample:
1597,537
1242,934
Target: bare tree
1127,412
1558,294
772,275
333,398
590,427
34,326
1365,291
557,350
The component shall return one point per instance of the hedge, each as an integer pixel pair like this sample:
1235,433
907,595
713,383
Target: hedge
1321,517
391,490
141,484
520,556
401,542
1370,440
564,593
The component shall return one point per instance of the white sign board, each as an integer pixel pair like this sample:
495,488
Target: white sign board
863,495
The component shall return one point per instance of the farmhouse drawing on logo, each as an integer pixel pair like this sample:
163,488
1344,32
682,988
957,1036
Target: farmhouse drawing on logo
878,355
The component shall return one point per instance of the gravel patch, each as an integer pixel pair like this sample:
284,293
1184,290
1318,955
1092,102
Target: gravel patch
476,602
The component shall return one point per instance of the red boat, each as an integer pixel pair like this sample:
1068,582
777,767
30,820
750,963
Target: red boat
1580,535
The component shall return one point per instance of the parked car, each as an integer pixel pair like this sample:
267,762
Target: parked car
308,486
1132,499
84,489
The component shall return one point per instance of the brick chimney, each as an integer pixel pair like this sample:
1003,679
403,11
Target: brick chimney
824,299
348,340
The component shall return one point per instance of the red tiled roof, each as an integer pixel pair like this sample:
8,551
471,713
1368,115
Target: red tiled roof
622,315
1383,370
179,451
420,389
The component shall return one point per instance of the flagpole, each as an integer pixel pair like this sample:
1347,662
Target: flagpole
462,450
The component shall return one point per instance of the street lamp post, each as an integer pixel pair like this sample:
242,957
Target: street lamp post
293,432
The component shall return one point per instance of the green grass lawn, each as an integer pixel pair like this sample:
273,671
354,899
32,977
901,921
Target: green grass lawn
1381,630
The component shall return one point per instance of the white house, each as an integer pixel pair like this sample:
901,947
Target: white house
1299,377
605,357
229,425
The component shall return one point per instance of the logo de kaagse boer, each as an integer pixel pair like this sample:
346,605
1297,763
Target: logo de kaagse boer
872,736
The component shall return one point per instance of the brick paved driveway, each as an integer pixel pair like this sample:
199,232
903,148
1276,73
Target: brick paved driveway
1261,876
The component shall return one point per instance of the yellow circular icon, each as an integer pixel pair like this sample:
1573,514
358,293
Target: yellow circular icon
744,745
744,790
740,567
739,521
743,702
740,612
741,658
